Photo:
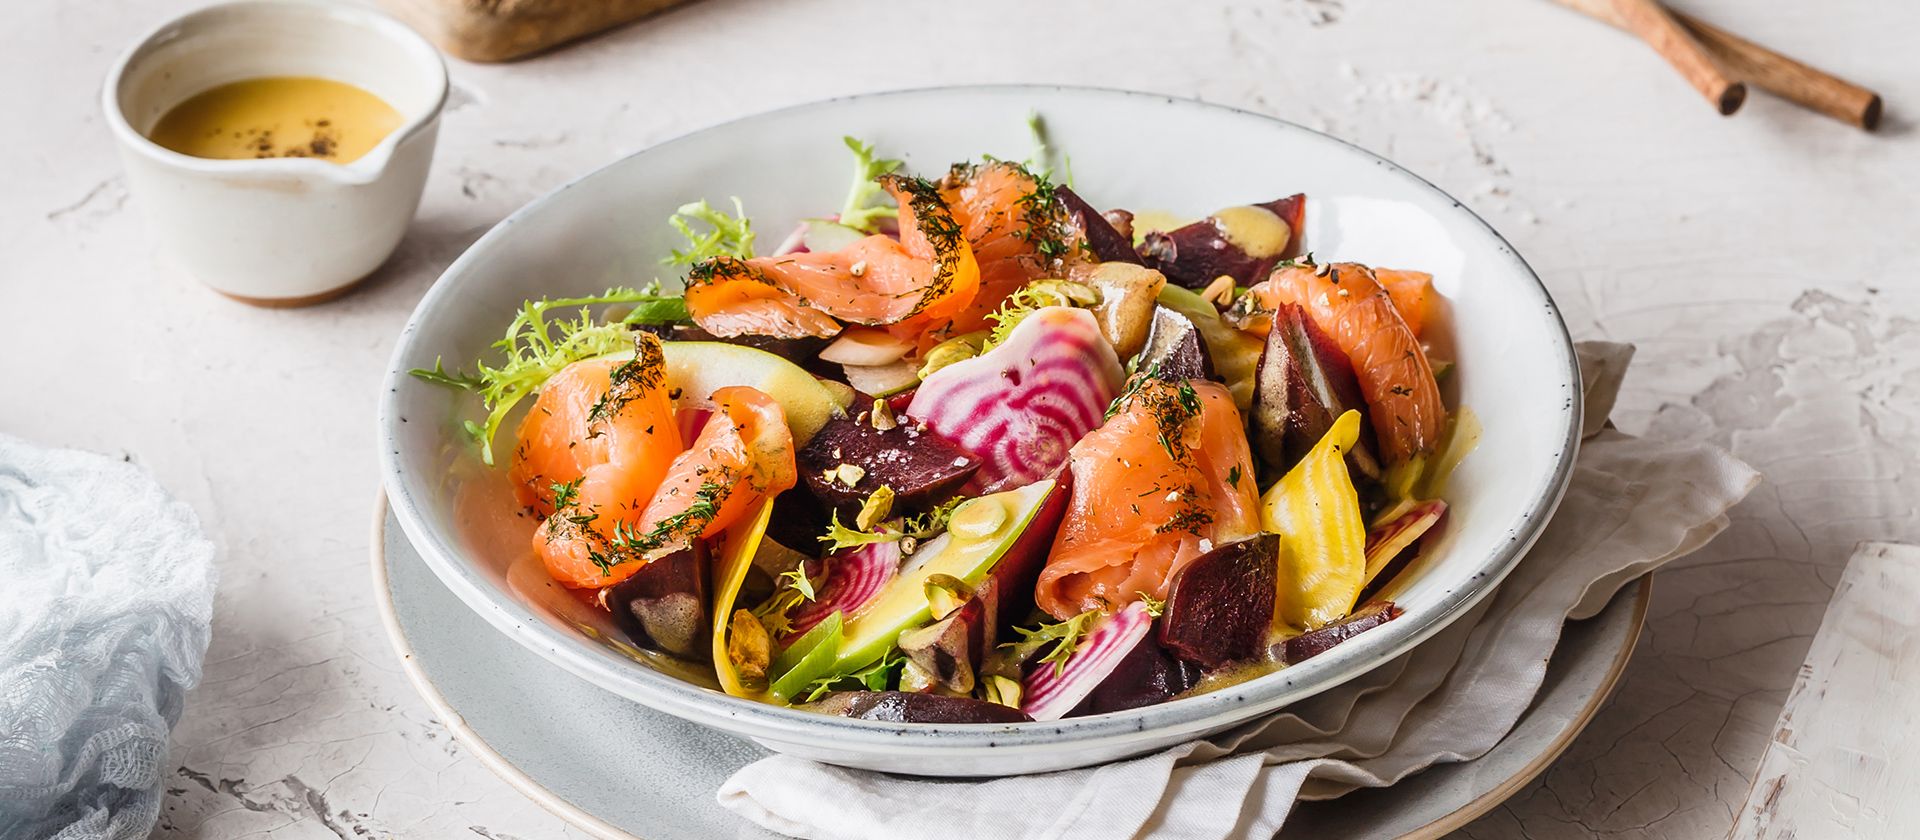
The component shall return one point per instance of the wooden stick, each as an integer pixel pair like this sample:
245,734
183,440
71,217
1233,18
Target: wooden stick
1673,42
1805,86
1798,83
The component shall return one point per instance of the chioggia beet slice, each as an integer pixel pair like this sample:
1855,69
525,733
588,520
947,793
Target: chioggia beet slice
1050,691
1220,606
1022,405
1144,677
855,577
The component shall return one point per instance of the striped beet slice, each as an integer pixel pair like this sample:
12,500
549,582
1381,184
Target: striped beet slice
1049,696
1023,404
854,576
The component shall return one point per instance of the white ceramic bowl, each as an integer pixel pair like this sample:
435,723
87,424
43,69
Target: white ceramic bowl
1516,369
281,231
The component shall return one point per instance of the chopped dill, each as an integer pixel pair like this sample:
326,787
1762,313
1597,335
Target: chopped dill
566,494
687,524
1233,477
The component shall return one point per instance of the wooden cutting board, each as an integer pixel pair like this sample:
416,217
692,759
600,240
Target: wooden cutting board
1844,761
503,30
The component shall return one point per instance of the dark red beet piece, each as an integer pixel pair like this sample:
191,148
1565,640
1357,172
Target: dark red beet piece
1107,244
911,707
1220,606
923,467
952,648
1175,347
798,521
1303,384
1293,211
1194,255
1309,645
663,606
1145,677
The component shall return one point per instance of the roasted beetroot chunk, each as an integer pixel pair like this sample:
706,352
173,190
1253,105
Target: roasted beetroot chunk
798,521
1107,244
1175,347
1309,645
1220,605
663,606
1303,384
950,650
1147,676
911,707
1194,255
850,458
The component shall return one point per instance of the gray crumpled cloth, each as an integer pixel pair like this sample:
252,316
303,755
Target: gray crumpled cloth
106,597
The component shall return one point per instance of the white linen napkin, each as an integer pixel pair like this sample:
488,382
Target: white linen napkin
106,598
1633,505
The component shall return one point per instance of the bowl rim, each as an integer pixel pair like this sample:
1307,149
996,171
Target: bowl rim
1196,715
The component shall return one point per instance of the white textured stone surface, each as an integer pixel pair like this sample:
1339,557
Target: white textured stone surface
1766,265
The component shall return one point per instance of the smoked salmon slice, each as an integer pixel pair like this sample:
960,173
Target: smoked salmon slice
1165,480
1412,293
1017,227
595,446
744,454
923,279
1346,301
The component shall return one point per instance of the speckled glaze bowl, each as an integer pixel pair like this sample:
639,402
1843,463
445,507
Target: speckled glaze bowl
1516,368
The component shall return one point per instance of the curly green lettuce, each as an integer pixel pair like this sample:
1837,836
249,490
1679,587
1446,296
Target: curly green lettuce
730,236
537,348
860,213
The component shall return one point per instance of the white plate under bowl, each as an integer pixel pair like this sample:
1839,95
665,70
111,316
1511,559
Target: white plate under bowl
558,740
1515,367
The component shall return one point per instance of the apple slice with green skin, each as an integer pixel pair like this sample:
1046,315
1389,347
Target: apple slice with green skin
809,658
981,533
696,369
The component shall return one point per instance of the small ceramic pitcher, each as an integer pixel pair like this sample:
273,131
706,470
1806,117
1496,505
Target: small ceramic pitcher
278,231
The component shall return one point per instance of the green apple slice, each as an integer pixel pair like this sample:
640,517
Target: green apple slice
696,369
809,658
980,533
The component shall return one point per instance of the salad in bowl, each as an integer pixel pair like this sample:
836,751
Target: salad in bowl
971,450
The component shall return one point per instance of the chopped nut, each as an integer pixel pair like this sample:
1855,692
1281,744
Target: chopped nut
999,689
883,419
849,474
878,507
946,593
1220,291
749,646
